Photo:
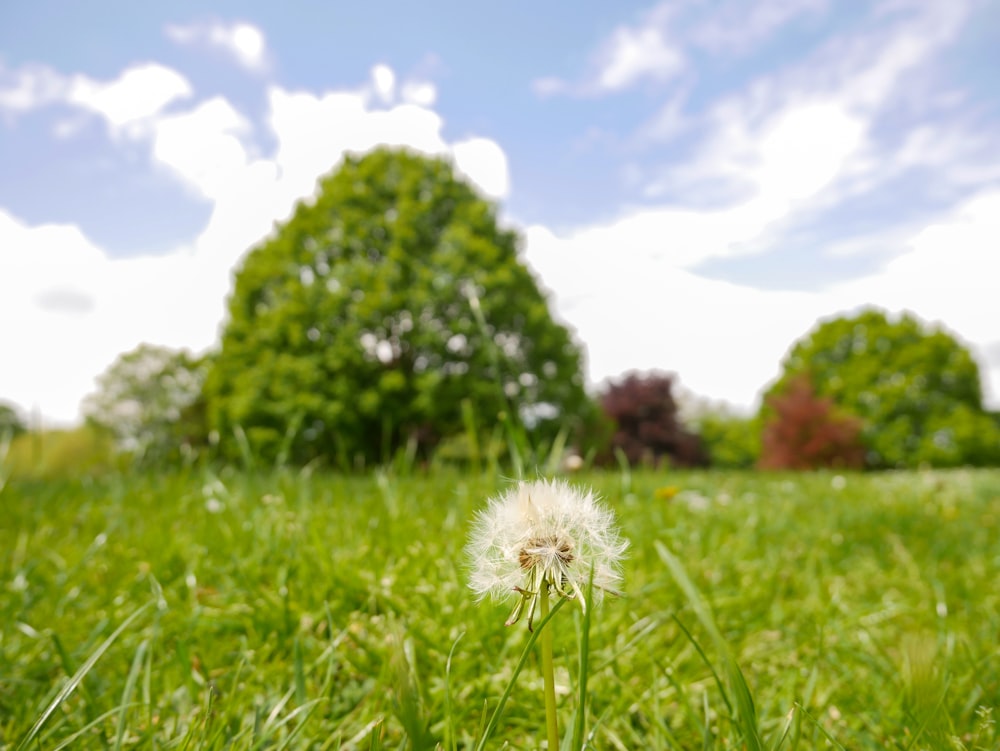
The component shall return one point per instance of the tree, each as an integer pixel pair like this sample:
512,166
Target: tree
915,387
647,427
363,322
11,424
150,400
805,431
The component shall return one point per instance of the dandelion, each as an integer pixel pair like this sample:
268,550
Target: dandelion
538,539
541,537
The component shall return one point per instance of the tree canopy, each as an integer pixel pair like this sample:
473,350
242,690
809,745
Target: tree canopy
365,320
647,426
916,388
150,400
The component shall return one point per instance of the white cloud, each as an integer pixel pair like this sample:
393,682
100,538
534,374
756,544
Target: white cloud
485,164
947,273
385,83
31,87
633,54
141,92
202,146
637,310
420,93
659,47
736,26
243,41
644,51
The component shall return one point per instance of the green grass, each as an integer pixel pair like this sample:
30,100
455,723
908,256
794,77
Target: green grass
290,611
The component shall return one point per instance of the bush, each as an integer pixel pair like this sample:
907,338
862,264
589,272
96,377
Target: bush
806,431
647,427
730,441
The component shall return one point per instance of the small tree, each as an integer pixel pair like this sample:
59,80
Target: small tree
150,400
805,431
647,427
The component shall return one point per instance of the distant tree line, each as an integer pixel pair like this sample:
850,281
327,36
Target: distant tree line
392,314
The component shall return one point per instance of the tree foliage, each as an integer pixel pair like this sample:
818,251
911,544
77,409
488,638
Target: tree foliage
367,318
731,441
150,400
647,425
806,431
11,424
915,387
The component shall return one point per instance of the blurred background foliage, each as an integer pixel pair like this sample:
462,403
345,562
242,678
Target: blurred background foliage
392,318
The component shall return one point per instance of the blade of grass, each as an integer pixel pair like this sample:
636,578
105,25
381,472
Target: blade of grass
449,720
78,676
70,740
130,682
580,723
818,726
746,712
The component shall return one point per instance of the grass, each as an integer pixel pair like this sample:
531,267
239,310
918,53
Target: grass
291,611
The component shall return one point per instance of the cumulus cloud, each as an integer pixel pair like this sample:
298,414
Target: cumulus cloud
484,163
138,94
141,92
243,41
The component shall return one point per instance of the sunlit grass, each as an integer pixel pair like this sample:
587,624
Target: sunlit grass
295,611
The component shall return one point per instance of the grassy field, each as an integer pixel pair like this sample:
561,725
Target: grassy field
292,611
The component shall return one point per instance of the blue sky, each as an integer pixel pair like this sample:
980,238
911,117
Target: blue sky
697,182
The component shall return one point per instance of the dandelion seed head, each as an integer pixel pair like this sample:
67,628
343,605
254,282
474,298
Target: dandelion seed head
544,533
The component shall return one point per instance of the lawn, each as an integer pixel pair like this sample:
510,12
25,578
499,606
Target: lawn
298,611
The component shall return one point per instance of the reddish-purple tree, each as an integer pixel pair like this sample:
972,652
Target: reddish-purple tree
647,429
806,431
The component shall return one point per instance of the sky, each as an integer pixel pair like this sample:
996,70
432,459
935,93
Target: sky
696,182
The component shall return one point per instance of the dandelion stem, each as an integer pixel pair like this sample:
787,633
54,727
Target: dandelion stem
548,672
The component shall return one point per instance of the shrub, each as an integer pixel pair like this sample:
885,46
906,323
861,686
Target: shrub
647,427
730,441
806,431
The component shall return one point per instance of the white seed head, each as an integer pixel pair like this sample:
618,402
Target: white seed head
544,533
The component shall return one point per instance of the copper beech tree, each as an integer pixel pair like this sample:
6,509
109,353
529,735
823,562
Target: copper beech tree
647,428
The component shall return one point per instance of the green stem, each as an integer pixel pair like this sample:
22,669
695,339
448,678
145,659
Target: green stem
548,672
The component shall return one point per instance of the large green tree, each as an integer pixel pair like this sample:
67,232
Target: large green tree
916,388
367,319
150,400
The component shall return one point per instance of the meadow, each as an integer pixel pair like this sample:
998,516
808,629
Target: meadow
292,610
